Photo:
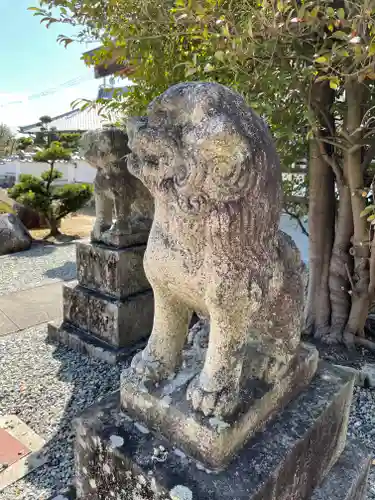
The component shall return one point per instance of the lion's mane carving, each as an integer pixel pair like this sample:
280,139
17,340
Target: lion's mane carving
214,246
116,190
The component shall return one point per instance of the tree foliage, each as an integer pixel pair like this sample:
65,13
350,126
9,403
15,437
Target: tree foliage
309,68
23,143
6,138
41,194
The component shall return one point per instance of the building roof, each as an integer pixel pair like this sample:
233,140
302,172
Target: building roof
72,121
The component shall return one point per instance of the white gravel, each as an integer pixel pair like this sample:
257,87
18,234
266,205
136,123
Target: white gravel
40,265
47,386
362,426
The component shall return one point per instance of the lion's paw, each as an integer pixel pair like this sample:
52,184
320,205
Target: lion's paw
149,368
221,403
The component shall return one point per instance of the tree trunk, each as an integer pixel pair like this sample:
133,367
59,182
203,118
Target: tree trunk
321,221
54,227
341,266
361,251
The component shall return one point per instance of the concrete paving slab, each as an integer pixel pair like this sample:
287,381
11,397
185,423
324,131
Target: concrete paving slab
6,325
32,307
28,440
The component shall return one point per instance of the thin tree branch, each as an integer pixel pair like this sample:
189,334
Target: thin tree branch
298,220
331,161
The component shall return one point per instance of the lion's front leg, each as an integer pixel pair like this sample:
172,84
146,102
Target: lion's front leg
103,210
216,390
121,226
162,355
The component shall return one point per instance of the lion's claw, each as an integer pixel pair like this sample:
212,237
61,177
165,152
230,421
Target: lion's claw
219,403
149,368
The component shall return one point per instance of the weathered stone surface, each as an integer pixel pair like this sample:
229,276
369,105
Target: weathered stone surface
211,440
348,477
120,323
214,247
83,342
116,190
114,272
368,373
14,237
118,457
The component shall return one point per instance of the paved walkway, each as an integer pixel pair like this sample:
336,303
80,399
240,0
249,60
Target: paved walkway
26,308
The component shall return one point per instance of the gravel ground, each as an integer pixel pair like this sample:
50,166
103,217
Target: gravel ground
47,386
40,265
362,426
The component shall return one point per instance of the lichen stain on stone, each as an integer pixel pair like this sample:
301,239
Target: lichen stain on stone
180,492
92,483
116,441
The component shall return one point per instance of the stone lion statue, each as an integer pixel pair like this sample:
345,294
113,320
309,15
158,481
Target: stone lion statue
117,192
214,246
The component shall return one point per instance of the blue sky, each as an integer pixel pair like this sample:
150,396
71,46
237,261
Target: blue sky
33,62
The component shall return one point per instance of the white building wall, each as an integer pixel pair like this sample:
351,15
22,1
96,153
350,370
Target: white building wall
79,172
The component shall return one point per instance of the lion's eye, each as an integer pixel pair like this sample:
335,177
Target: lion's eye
153,160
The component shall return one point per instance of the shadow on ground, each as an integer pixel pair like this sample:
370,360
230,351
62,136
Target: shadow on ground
90,380
66,272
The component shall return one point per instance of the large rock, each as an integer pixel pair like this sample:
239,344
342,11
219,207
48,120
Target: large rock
14,237
29,217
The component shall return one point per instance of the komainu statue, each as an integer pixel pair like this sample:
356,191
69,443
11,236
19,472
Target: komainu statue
116,190
215,247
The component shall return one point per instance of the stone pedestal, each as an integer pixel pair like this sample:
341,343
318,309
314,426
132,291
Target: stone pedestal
210,440
298,455
108,312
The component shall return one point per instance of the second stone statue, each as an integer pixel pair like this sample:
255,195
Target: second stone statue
117,192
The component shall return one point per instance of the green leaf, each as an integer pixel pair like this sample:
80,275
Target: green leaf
341,13
371,50
219,55
321,60
334,82
343,53
371,218
190,71
367,210
339,35
330,12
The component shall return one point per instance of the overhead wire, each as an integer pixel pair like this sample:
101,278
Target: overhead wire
53,90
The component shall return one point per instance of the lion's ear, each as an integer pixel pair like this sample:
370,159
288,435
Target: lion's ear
225,152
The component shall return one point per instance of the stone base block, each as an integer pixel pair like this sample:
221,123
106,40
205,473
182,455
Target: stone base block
348,477
80,341
347,480
114,272
120,323
117,456
211,440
